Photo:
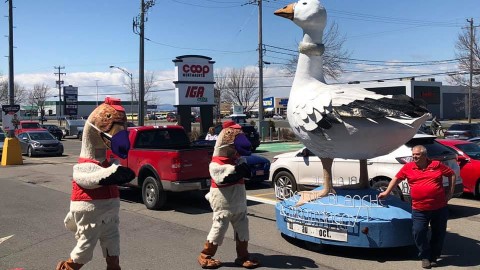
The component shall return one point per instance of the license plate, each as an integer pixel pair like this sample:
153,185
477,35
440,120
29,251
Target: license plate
318,232
259,172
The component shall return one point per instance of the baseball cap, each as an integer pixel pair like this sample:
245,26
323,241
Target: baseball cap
231,124
115,103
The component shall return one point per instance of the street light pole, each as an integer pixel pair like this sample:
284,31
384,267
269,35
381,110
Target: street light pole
130,75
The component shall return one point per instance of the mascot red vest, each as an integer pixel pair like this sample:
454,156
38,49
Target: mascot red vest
95,200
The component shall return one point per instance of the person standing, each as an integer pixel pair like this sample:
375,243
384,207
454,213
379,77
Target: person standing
211,136
429,202
435,126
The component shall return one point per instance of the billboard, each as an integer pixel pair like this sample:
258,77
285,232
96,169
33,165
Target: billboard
194,80
70,100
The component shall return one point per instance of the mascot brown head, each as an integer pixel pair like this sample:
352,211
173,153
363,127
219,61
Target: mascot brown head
232,141
105,128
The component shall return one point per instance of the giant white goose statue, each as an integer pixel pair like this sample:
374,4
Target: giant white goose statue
338,121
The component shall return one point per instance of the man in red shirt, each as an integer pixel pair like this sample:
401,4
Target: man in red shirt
429,201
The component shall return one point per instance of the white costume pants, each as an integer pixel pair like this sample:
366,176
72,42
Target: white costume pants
220,226
88,235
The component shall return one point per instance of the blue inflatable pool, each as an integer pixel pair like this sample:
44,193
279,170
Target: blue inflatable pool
354,218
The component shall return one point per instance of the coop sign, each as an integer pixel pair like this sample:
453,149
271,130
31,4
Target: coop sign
194,80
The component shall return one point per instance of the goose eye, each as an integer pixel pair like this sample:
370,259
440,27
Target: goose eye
304,3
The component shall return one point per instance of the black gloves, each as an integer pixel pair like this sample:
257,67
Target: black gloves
121,176
244,170
241,170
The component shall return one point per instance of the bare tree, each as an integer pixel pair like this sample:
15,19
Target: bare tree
239,87
334,56
149,82
20,93
37,98
462,53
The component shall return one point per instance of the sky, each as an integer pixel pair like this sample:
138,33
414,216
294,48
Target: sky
88,36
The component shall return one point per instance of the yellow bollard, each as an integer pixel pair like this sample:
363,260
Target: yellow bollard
12,153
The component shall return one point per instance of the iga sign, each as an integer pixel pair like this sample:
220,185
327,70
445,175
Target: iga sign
193,68
194,94
194,80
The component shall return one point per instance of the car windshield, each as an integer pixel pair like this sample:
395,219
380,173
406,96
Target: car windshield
41,136
434,149
471,149
30,125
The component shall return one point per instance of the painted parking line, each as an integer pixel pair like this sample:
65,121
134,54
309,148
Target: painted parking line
256,198
280,147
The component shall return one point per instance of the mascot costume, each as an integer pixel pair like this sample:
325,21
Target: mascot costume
95,199
227,196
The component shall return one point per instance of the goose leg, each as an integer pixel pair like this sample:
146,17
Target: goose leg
307,196
363,180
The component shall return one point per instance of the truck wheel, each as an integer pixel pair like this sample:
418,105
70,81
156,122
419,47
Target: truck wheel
154,197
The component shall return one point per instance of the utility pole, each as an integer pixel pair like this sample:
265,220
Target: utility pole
59,83
470,87
11,84
260,70
96,83
139,22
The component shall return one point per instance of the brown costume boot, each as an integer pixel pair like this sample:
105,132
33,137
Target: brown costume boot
68,265
243,258
205,259
113,263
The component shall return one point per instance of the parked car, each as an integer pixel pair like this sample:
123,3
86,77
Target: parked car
74,127
54,130
469,161
27,125
463,131
164,160
2,139
171,117
475,140
302,170
249,130
33,143
259,166
277,117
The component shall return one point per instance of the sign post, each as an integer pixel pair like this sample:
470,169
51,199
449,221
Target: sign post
194,87
11,154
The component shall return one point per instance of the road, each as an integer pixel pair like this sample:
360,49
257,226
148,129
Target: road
34,199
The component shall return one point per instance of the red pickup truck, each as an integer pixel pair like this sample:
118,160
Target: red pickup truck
163,159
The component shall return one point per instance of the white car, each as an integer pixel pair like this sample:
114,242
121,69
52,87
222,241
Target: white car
277,117
302,170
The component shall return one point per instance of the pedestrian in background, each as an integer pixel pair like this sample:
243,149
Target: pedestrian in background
211,136
429,202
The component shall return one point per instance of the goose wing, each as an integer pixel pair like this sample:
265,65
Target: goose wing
335,104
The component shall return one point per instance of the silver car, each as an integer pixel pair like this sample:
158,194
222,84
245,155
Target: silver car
302,170
35,143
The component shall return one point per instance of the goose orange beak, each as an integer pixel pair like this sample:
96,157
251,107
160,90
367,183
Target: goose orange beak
286,12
